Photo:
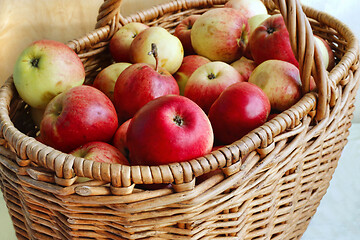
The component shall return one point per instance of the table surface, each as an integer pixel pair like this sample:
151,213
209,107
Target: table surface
338,216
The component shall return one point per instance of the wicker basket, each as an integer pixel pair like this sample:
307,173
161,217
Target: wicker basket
268,185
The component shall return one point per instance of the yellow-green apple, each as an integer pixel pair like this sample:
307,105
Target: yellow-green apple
120,43
139,84
106,79
280,80
248,8
119,139
169,129
183,32
208,81
100,152
241,108
270,40
245,67
44,69
77,116
326,52
189,65
220,34
170,49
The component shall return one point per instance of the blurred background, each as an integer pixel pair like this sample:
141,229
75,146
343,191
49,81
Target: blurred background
24,21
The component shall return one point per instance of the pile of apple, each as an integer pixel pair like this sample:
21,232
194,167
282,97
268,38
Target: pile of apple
167,97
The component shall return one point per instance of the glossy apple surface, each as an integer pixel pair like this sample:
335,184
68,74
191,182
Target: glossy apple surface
77,116
209,81
270,40
139,84
119,139
120,43
170,49
241,108
280,81
326,52
106,79
189,65
169,129
100,152
45,69
220,34
183,32
245,67
248,8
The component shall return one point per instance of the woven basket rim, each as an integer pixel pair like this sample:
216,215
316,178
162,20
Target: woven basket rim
260,137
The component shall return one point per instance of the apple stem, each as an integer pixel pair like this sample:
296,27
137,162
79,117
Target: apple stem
154,52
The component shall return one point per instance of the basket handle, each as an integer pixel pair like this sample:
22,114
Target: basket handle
300,33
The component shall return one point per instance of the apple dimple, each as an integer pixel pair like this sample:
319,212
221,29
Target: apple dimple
35,62
270,30
178,120
211,76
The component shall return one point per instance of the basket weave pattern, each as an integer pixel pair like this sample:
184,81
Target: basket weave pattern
270,183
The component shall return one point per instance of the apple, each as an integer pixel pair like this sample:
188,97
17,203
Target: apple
220,34
188,66
183,32
119,139
44,69
139,84
244,66
120,43
169,129
280,80
326,52
100,152
256,20
208,81
170,49
270,40
106,79
241,108
77,116
248,8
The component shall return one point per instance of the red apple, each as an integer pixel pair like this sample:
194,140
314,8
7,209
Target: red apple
170,49
254,22
220,34
169,129
139,84
326,52
189,65
120,43
241,108
100,152
183,32
209,81
119,139
270,40
280,81
77,116
106,79
248,8
245,67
